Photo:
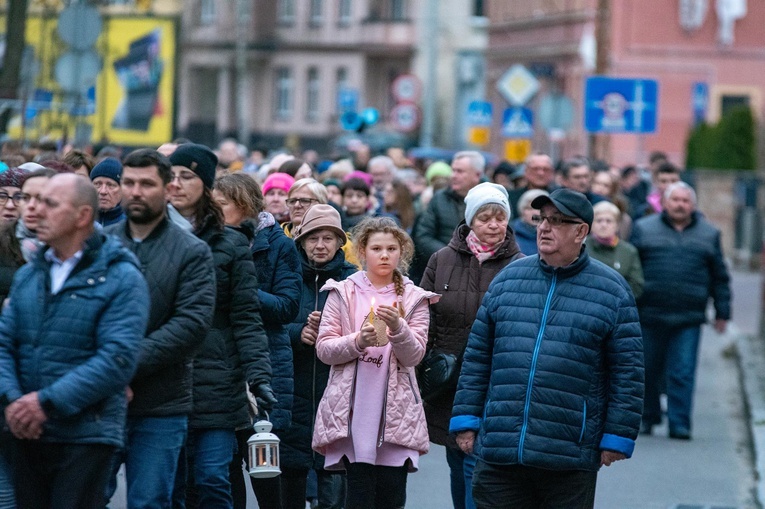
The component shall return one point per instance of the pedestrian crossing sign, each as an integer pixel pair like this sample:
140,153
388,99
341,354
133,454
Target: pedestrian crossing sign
518,123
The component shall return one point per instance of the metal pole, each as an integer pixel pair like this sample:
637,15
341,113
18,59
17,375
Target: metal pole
429,101
241,71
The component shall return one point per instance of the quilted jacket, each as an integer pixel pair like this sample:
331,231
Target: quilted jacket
236,347
179,270
454,272
277,266
79,347
682,271
311,374
404,419
553,370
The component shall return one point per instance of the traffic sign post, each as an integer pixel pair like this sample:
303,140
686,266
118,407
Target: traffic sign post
518,85
616,105
479,135
405,117
347,99
518,123
517,151
407,88
700,100
480,114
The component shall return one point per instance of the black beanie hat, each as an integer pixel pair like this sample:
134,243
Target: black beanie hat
199,159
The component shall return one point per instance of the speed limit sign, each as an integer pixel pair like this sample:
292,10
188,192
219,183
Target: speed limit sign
405,117
406,88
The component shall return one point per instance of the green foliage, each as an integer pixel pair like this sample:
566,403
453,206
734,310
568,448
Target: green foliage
728,145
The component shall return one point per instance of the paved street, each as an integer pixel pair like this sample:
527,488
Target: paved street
714,470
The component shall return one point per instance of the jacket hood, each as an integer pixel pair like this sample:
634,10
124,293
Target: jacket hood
507,249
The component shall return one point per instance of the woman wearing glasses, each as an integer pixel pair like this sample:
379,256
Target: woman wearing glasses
303,195
10,194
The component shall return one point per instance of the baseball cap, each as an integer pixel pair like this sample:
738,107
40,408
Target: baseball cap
569,203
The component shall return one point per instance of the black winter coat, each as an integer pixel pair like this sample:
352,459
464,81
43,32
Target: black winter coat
236,347
454,272
179,270
682,270
311,375
436,224
277,266
553,371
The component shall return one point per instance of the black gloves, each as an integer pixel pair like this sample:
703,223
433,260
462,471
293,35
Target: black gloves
264,396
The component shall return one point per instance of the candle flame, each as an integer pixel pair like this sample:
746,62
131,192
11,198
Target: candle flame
373,302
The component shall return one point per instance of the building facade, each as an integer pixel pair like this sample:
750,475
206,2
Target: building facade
679,43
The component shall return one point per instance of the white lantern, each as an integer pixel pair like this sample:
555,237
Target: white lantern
264,451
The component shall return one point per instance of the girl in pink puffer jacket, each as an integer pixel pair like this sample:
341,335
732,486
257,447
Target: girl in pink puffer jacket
373,332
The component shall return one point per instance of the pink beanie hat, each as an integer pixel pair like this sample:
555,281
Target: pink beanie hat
366,177
278,181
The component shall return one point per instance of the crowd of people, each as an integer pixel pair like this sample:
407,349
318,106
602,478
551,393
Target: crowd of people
157,302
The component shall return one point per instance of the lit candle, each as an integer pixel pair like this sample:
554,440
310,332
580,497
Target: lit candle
372,312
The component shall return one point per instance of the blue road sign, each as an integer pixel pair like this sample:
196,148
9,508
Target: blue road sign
616,105
479,114
518,123
700,97
370,116
347,99
351,121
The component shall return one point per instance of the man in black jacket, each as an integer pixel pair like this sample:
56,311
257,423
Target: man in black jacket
181,275
683,266
446,210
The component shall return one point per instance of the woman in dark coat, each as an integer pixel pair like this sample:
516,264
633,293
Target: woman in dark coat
461,272
319,238
278,270
235,350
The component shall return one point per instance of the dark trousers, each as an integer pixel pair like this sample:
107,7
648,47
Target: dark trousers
375,486
670,353
61,476
331,488
267,491
522,487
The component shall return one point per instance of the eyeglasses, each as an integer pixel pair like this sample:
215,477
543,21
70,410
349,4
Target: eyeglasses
183,177
304,202
553,221
17,198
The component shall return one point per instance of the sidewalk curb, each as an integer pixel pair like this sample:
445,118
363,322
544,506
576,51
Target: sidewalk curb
751,361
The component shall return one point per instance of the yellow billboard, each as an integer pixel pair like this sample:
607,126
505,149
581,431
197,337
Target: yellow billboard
131,101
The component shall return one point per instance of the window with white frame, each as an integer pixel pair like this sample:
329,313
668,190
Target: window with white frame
285,92
344,12
313,91
286,13
316,12
207,12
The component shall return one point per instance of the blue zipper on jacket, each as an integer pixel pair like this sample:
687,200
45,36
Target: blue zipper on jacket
534,365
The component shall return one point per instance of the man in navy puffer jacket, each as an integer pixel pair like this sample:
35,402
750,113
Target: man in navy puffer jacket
551,387
69,343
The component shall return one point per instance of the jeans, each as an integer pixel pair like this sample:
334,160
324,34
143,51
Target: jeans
203,481
7,497
461,475
331,489
522,487
375,486
61,476
670,352
152,448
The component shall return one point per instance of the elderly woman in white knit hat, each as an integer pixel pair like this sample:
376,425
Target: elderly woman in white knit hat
461,272
320,239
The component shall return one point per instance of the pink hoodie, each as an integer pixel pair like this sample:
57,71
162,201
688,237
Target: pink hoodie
403,418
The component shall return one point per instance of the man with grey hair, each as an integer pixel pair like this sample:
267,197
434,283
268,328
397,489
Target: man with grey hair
683,264
383,172
436,224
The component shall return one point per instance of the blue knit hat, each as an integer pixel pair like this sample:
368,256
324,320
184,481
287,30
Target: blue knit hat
109,168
